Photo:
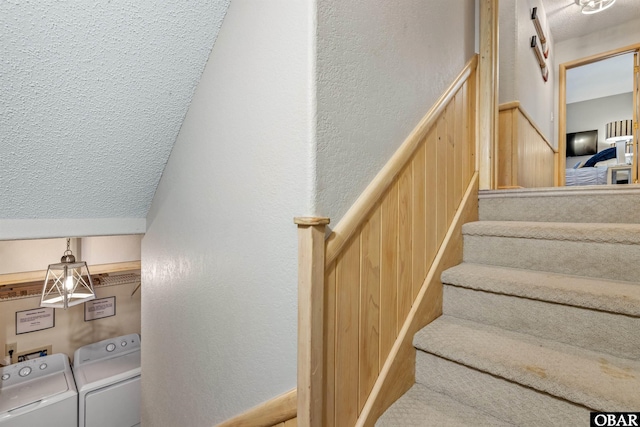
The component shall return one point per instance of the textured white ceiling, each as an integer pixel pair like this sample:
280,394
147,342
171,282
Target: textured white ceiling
92,97
567,22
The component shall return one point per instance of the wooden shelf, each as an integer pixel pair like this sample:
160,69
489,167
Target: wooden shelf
27,284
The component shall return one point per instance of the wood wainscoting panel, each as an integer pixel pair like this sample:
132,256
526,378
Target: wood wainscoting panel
398,372
419,222
405,242
468,91
535,156
450,189
369,363
441,181
431,211
526,158
388,273
459,145
347,333
507,134
329,369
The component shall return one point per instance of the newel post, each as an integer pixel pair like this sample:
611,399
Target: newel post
311,247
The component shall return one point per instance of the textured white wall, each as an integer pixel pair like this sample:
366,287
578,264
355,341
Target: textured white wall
520,77
623,35
381,66
220,253
535,95
508,40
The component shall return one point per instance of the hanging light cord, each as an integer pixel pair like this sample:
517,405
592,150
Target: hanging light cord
68,251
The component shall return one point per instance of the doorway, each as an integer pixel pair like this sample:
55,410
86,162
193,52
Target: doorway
584,112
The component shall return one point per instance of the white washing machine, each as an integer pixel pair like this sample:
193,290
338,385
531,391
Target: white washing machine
39,392
107,374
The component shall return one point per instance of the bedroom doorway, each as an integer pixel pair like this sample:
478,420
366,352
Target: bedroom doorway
604,101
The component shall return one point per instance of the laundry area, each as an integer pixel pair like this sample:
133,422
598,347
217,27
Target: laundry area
73,366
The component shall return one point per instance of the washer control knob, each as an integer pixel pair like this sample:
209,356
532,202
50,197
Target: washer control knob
123,343
24,371
110,347
43,366
5,377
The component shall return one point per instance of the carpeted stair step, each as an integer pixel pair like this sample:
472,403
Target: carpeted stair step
591,379
421,406
608,251
599,294
505,400
594,203
532,303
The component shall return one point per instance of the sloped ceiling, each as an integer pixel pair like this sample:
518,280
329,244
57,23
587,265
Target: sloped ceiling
92,98
567,22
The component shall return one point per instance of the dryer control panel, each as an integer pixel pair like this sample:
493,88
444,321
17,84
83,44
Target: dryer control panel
106,348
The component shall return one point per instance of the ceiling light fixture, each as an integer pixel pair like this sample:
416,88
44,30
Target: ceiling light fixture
67,283
589,7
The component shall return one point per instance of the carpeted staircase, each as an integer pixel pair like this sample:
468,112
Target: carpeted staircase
541,322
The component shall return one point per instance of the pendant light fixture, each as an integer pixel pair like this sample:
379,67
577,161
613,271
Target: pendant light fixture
589,7
67,283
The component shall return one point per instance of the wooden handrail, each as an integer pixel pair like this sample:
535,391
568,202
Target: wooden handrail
371,195
267,414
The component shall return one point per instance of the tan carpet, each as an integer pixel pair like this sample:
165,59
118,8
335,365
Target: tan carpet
600,294
594,380
563,204
541,321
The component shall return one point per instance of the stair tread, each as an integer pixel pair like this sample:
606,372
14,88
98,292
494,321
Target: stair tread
594,380
633,189
421,406
628,234
593,203
506,400
600,294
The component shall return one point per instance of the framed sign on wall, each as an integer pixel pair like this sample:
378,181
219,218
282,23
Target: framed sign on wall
99,308
36,319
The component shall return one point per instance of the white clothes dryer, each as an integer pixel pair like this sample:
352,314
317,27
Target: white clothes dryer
107,375
39,392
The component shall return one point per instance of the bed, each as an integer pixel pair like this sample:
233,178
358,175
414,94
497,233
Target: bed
594,170
586,176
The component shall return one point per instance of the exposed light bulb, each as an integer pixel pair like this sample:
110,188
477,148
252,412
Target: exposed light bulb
68,283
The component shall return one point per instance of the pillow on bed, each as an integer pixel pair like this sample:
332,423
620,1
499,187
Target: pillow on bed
609,153
577,165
